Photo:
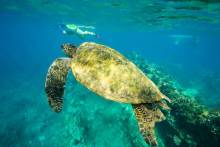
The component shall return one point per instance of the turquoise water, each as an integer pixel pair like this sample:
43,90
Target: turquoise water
175,43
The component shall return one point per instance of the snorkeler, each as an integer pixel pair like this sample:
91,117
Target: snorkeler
72,29
180,38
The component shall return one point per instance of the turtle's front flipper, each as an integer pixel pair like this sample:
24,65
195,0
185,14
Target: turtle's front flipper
55,82
147,115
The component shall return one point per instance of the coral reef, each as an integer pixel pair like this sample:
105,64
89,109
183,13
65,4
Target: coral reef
189,123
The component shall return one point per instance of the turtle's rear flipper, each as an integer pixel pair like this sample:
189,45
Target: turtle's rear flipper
55,82
147,115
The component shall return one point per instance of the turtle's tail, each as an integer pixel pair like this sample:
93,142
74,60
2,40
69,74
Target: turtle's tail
167,99
55,82
147,115
161,95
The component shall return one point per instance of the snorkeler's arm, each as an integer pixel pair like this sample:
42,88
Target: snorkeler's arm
87,27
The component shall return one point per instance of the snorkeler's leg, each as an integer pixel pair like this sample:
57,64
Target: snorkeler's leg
89,33
82,33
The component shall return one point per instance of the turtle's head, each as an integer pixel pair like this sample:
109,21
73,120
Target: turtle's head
69,49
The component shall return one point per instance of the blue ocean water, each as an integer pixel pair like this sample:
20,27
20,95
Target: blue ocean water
180,38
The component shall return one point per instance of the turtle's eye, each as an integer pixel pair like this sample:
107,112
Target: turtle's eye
72,46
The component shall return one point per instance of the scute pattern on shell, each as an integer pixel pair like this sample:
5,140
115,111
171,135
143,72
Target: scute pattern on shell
109,74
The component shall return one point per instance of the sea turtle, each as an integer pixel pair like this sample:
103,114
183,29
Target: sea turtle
106,72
